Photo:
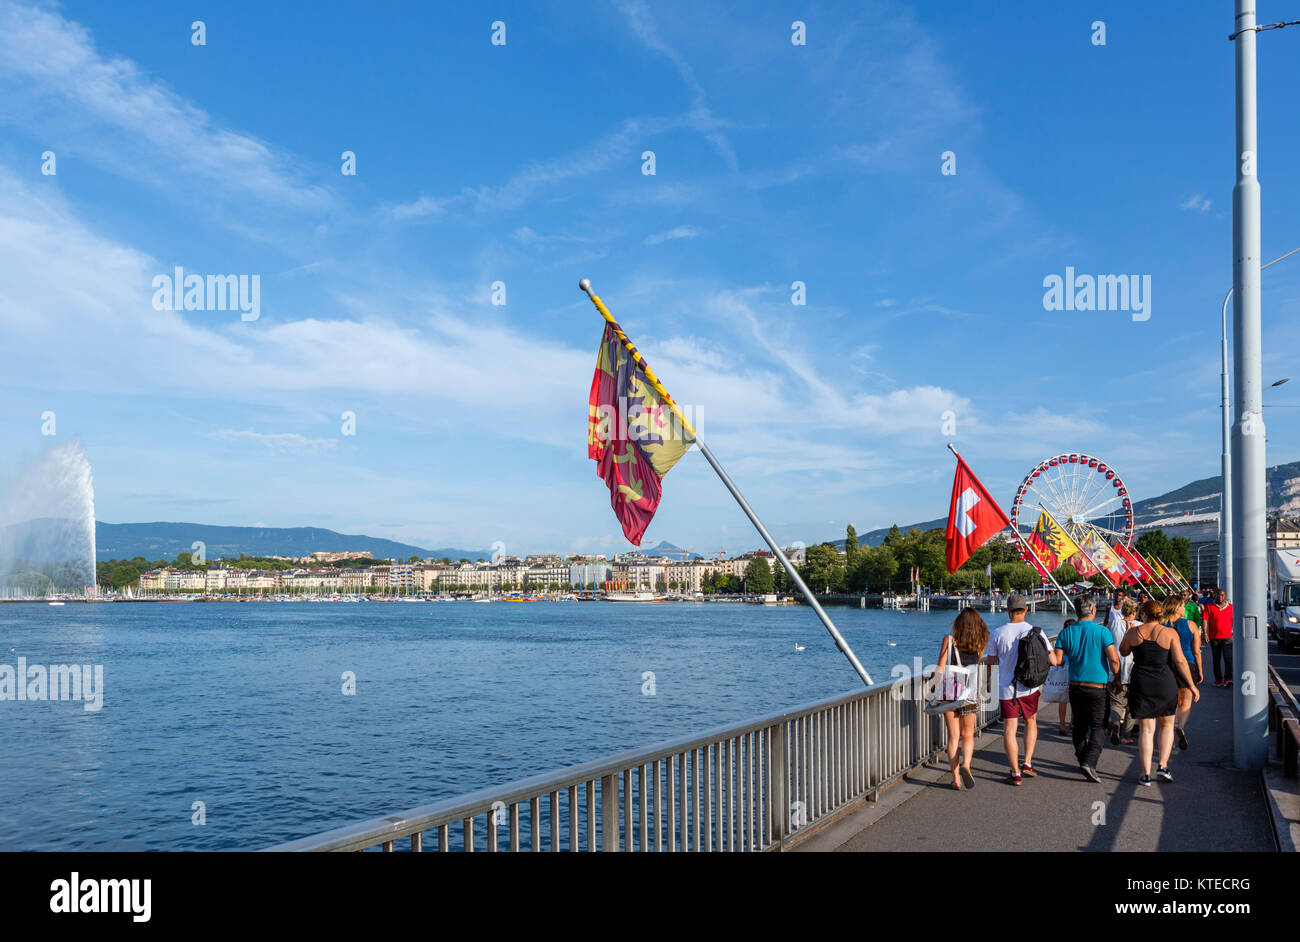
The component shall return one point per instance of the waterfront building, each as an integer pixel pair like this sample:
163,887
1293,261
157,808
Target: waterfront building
1283,533
355,580
400,577
185,580
589,573
687,576
648,576
550,576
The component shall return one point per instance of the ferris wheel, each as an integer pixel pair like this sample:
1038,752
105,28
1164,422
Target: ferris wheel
1079,491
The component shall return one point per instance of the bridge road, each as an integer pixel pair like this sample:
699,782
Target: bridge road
1286,665
1209,807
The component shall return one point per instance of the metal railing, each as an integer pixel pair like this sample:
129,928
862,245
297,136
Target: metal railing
1284,721
752,787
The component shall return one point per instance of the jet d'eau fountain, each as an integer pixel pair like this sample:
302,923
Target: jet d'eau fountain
47,525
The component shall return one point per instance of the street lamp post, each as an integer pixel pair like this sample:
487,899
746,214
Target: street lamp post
1225,500
1200,576
1249,541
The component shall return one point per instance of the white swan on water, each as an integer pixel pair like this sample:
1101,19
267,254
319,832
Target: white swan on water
892,644
798,646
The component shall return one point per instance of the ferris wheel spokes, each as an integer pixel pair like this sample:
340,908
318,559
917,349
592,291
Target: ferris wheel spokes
1079,491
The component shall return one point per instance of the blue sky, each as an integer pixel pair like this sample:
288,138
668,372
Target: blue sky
522,164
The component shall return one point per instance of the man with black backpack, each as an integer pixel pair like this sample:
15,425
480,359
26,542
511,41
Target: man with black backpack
1022,654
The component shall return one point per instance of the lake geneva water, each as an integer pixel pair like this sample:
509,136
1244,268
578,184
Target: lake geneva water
240,706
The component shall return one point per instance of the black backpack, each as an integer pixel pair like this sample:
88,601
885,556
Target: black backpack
1032,664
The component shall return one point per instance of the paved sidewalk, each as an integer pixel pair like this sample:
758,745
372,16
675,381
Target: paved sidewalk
1209,807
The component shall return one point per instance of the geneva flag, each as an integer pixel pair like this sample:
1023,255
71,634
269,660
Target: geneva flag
1050,541
633,433
973,517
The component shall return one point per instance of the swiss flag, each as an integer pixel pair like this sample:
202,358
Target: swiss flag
973,517
1119,573
1134,562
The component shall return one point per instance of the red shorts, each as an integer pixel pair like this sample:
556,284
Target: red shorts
1020,706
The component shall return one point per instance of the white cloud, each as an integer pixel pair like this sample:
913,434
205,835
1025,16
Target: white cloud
287,442
702,119
677,232
110,110
421,208
1196,203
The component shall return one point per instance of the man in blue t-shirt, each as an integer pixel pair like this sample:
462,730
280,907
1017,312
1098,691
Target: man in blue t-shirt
1089,651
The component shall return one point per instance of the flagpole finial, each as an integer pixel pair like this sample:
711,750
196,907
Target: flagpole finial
585,285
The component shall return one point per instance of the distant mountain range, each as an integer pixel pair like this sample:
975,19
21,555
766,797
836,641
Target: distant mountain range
164,540
664,548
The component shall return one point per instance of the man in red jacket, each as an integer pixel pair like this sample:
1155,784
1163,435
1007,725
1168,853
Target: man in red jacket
1218,625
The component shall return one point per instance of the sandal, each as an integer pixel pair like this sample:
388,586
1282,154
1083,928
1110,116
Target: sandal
967,779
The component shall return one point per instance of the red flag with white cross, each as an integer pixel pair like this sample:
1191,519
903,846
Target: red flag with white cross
973,517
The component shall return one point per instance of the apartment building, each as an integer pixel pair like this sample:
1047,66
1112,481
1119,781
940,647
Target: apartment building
185,580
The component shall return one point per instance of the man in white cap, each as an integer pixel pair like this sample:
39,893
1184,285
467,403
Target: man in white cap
1016,700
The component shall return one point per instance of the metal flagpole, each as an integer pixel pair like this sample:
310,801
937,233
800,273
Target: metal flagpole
1149,589
585,285
1137,577
1179,581
1043,569
1161,573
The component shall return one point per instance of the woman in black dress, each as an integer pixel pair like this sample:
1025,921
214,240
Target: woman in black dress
1158,662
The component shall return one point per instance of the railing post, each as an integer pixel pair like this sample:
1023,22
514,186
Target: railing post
778,785
609,813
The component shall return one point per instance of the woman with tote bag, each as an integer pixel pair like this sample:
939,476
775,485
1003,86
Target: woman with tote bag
956,691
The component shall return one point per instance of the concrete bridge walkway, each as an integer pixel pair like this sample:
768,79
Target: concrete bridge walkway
1210,806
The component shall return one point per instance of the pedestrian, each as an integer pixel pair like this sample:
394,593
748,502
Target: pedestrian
1189,640
1057,690
1218,625
970,635
1089,651
1192,612
1158,666
1016,700
1115,617
1121,719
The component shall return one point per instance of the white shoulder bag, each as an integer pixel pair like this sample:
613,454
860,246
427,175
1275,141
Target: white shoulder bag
954,686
